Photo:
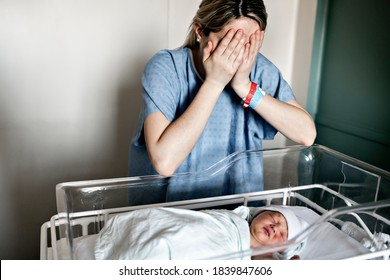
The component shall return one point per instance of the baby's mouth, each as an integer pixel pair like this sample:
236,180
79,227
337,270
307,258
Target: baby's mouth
267,231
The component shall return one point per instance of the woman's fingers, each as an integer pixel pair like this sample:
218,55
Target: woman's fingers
230,46
252,49
246,52
254,41
224,43
239,58
233,49
207,50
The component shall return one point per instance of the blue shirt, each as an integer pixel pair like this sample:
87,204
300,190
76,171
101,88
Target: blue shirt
170,83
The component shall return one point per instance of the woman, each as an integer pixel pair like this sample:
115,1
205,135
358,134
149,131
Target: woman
214,96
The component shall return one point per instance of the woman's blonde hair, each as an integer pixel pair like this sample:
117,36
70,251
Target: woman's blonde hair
213,15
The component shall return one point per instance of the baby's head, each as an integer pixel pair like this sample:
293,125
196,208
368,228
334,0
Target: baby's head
272,224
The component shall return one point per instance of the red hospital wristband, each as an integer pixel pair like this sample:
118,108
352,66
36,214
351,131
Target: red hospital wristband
248,98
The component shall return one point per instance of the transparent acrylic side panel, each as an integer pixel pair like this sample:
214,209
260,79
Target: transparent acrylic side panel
297,166
350,177
287,167
238,173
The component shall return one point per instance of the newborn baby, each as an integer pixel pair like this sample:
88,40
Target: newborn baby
171,233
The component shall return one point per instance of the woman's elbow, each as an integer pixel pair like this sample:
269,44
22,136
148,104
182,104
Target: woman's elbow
309,137
163,167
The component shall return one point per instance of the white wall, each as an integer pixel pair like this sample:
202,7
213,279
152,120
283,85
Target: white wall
70,92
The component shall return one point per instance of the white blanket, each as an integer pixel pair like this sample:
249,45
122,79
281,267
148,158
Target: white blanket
167,233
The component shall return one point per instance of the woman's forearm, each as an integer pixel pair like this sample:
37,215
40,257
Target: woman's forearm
168,143
290,119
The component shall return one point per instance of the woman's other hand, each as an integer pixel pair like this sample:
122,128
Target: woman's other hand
241,82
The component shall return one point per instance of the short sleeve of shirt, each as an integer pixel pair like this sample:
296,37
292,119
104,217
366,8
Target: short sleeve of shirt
160,85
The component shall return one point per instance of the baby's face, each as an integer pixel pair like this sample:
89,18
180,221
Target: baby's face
267,228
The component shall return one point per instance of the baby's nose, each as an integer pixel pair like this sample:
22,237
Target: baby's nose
276,229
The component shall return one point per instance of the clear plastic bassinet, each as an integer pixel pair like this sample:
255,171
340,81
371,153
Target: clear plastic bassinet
347,202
